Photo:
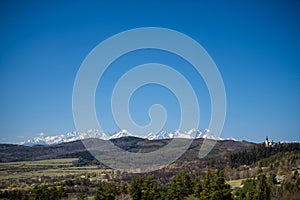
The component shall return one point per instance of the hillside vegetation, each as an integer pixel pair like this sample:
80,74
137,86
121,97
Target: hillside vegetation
232,170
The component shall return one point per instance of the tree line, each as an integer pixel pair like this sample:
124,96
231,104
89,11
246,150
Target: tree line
182,186
256,153
186,186
39,192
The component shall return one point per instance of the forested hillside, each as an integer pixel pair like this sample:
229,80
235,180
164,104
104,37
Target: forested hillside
233,170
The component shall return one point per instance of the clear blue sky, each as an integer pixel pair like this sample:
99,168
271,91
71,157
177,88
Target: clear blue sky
256,46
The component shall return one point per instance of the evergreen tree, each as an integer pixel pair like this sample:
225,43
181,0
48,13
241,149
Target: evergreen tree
197,187
151,189
250,189
220,190
100,193
106,191
135,189
206,187
180,186
255,189
262,188
16,195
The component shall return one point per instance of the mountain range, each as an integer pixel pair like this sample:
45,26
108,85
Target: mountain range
95,133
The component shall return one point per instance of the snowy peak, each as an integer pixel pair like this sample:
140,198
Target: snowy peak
37,140
68,137
159,136
191,134
121,133
94,133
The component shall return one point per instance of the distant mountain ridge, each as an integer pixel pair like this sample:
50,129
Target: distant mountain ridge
95,133
77,149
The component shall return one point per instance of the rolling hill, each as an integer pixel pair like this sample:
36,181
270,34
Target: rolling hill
12,152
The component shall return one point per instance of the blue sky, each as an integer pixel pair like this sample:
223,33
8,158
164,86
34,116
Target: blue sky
256,46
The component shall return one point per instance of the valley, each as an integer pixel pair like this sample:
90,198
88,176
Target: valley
68,167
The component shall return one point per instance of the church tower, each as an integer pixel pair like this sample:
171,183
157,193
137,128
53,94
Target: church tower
267,142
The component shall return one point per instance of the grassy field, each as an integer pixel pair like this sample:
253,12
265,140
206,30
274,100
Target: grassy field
236,183
51,168
50,162
53,173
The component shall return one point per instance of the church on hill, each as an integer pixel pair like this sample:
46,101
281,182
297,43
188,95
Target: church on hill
268,143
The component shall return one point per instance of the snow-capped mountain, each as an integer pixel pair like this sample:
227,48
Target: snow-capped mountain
122,133
191,134
94,133
68,137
